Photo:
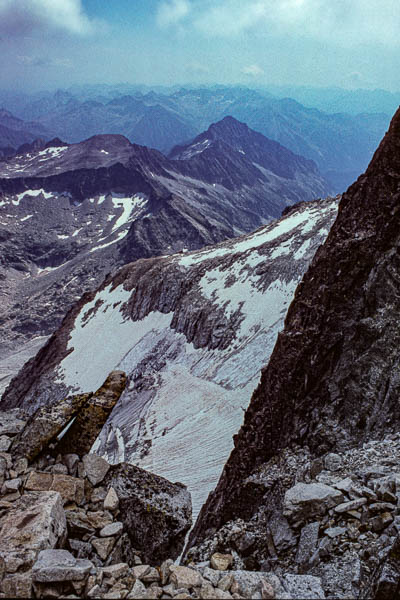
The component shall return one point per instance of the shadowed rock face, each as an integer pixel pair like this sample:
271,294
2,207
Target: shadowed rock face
83,432
333,379
156,513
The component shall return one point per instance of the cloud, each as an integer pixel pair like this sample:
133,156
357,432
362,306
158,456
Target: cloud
253,70
344,22
172,12
44,61
19,18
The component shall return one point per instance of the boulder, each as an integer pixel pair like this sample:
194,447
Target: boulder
155,512
308,500
82,434
70,488
96,468
60,565
35,522
307,545
221,562
111,501
303,586
185,577
112,530
12,422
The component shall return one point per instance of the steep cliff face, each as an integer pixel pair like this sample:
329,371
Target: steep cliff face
333,379
187,329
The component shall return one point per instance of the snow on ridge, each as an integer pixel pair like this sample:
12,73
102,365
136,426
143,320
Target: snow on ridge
90,331
33,193
308,217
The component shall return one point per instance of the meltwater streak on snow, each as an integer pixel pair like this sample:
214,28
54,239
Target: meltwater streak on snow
100,343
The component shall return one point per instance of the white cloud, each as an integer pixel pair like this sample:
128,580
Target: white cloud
171,12
22,17
253,70
344,22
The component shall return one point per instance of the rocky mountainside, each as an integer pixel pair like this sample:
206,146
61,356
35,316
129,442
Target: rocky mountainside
14,132
187,330
69,214
331,384
340,144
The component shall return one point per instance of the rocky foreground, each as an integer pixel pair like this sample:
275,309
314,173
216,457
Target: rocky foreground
75,526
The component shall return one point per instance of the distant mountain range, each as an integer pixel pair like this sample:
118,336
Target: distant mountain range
340,144
14,132
71,213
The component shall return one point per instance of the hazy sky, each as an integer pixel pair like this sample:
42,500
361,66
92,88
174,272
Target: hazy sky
56,43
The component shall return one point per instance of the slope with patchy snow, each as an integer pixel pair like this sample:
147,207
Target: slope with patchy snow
192,331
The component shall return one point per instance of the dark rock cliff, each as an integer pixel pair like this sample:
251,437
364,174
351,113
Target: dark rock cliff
333,380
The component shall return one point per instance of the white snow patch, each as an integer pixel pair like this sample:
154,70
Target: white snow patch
62,237
77,231
32,193
119,237
88,337
26,218
128,205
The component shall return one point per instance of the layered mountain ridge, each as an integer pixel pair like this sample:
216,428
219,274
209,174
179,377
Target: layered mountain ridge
340,144
71,213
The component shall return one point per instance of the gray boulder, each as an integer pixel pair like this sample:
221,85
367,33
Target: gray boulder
308,500
155,512
60,565
36,522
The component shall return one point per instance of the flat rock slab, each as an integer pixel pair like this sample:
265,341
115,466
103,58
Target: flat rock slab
60,565
183,577
303,586
155,512
305,500
70,488
35,522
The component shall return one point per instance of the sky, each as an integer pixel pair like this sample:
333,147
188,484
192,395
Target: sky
48,44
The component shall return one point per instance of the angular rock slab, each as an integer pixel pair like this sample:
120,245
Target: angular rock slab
307,500
70,488
83,432
155,512
12,422
60,565
45,425
36,522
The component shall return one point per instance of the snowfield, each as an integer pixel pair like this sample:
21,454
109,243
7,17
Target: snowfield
184,403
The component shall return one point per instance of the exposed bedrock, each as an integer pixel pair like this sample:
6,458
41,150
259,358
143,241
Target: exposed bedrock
333,380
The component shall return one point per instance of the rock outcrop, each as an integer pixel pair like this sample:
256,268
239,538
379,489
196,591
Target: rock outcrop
83,414
332,383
